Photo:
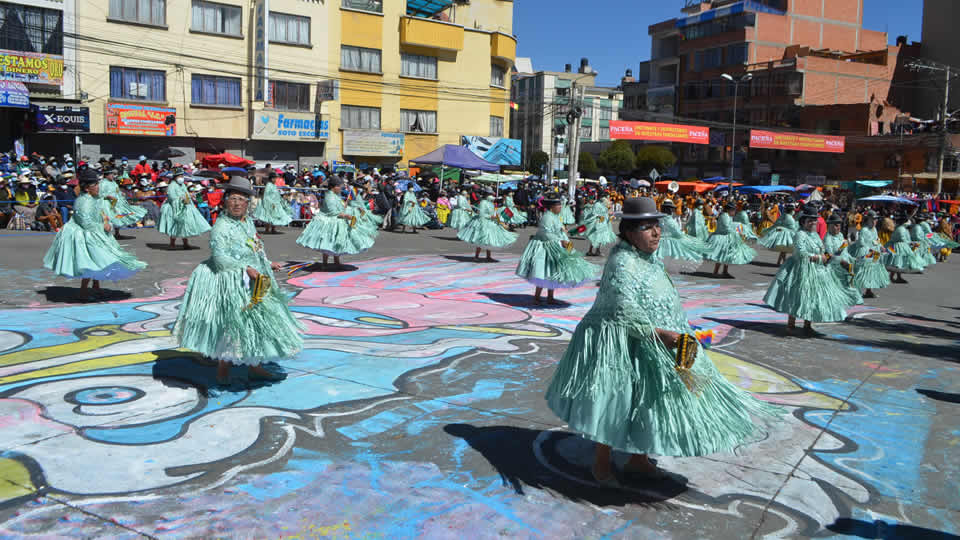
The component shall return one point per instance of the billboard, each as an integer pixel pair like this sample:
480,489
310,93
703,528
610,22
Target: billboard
649,131
36,68
61,119
494,149
131,119
289,126
14,94
372,143
804,142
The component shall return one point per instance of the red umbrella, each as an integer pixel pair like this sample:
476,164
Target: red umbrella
230,160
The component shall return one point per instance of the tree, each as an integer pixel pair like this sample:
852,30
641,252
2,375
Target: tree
537,162
588,167
655,157
618,157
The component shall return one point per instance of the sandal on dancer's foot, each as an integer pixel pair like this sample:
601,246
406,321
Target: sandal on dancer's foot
656,473
607,481
263,374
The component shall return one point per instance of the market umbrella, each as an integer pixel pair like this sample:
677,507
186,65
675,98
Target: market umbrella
805,187
231,160
234,171
887,199
209,173
404,184
643,183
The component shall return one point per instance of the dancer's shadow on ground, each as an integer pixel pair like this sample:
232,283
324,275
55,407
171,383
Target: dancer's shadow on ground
166,247
709,275
769,328
469,259
939,396
524,301
330,268
764,274
882,529
510,450
177,369
120,237
72,295
764,264
450,238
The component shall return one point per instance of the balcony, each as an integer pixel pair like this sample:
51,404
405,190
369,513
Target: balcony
431,34
503,47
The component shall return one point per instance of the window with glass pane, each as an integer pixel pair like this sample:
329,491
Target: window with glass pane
497,75
415,65
375,6
353,117
31,29
139,11
588,110
606,112
289,96
138,84
213,90
604,133
418,121
360,59
586,132
216,18
496,126
290,29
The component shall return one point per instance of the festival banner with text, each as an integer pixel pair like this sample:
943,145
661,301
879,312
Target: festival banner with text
648,131
804,142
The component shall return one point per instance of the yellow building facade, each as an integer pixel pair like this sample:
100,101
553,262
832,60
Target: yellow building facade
292,81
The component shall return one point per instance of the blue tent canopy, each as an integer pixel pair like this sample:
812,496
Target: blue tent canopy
404,184
715,179
452,155
874,183
888,198
762,190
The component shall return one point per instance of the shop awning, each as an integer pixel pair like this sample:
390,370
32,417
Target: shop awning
452,155
426,8
14,94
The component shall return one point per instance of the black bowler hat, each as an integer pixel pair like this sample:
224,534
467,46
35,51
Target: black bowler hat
641,208
239,184
808,213
87,177
835,218
551,200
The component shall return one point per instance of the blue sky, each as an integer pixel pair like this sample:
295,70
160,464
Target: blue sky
613,33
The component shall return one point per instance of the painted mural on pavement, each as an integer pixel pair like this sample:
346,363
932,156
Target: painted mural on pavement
396,352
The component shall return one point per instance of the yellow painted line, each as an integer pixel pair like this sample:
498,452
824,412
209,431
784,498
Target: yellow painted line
505,331
378,320
86,365
86,342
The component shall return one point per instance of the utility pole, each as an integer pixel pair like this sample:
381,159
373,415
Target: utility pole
943,129
573,140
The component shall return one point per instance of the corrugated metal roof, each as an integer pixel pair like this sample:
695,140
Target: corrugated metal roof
426,8
733,9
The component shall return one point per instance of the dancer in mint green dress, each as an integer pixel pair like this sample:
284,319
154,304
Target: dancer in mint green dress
918,236
780,236
367,221
804,287
462,212
841,262
84,248
549,261
179,217
115,205
234,310
900,257
411,215
485,230
679,251
744,227
599,231
566,213
273,210
943,236
333,230
697,224
725,246
617,384
868,270
518,217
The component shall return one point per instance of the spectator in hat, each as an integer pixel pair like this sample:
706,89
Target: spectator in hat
142,168
47,213
25,205
66,195
6,202
146,196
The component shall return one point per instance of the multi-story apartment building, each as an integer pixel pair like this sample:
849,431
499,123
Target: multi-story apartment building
940,43
544,99
289,81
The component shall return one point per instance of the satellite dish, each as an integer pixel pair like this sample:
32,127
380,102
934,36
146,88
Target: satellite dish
673,187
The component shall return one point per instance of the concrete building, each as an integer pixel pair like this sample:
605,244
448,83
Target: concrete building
544,99
635,91
373,82
940,43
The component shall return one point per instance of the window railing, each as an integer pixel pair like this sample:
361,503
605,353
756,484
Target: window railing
376,6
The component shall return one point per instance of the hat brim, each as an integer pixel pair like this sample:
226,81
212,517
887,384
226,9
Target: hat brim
643,217
236,189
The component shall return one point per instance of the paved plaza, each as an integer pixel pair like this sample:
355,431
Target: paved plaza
416,409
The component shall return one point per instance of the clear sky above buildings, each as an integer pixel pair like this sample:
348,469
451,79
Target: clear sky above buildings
613,33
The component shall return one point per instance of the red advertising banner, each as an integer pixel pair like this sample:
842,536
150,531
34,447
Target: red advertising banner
648,131
804,142
132,119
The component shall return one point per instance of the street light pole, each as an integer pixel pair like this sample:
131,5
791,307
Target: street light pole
733,142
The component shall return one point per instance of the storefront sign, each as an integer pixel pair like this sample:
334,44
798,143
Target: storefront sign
31,67
14,94
61,120
261,12
803,142
288,126
372,143
648,131
131,119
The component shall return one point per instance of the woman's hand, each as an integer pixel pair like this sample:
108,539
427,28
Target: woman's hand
276,266
253,274
668,338
345,216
